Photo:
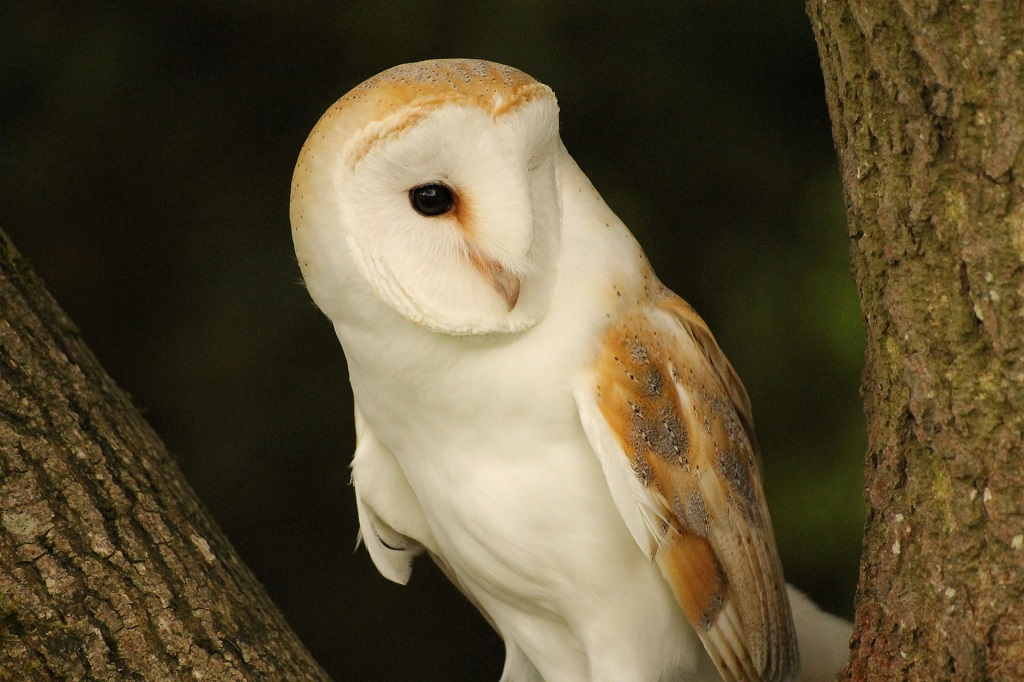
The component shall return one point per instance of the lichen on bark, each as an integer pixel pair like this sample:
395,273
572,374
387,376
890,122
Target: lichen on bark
927,107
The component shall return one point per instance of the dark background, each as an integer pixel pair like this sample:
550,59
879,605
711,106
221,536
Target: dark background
146,150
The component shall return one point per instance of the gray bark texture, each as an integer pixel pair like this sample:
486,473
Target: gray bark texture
110,569
927,107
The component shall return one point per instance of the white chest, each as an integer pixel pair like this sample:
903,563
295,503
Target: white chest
520,512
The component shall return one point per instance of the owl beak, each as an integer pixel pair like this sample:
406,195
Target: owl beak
505,284
503,281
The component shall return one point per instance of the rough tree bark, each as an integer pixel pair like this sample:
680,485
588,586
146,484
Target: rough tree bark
927,106
109,567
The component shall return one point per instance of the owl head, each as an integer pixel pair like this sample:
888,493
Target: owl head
431,188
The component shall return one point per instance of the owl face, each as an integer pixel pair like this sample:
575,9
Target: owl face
432,188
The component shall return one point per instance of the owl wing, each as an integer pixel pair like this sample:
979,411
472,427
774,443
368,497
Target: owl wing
671,424
385,503
390,517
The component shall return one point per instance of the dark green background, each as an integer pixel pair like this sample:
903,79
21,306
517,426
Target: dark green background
145,157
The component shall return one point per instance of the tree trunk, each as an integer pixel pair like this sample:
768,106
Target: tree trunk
109,567
927,106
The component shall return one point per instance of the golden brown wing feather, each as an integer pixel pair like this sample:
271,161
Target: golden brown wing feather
681,417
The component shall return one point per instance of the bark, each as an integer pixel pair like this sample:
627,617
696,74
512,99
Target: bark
927,106
109,567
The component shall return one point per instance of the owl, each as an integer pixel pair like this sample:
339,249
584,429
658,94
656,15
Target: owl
534,409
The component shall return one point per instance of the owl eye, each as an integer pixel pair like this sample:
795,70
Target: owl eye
432,199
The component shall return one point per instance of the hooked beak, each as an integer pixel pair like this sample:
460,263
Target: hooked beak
504,282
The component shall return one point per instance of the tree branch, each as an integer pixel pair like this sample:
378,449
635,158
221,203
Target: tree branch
110,569
927,107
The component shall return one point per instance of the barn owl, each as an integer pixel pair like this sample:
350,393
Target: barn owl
534,409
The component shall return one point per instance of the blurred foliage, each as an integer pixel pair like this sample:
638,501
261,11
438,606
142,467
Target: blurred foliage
145,158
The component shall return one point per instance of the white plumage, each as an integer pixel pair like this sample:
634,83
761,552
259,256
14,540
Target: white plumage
560,432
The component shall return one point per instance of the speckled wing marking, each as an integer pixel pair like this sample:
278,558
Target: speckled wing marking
670,422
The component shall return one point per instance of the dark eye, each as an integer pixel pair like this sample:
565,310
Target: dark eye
432,199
